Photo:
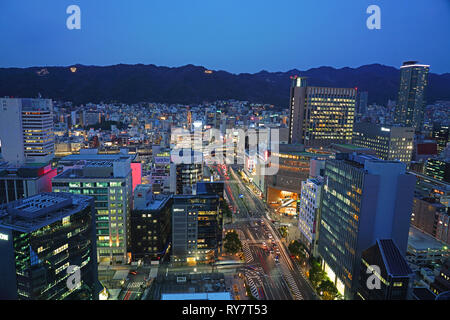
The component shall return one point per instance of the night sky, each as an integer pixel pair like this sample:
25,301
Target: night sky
232,35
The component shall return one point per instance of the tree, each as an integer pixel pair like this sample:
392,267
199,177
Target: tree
225,209
283,231
328,290
316,274
297,249
232,244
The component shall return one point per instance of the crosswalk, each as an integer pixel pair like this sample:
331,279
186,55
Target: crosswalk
292,285
247,253
253,288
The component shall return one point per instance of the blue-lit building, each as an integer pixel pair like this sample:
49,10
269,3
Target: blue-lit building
40,238
364,199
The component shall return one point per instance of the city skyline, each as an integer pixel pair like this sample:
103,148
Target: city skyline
140,182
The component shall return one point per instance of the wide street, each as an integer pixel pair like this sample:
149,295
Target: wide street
271,270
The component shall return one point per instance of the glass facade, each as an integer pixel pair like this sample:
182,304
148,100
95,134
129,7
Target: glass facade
340,214
43,242
411,95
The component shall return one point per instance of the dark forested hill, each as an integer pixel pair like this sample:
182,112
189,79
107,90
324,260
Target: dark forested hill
190,84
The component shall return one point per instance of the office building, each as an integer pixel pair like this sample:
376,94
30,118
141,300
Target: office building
389,143
185,174
361,102
150,224
309,213
395,278
439,169
110,183
411,95
432,217
17,182
26,130
441,134
428,187
364,199
320,116
196,230
40,238
293,167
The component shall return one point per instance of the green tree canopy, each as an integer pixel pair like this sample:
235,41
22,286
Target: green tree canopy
328,289
232,244
297,249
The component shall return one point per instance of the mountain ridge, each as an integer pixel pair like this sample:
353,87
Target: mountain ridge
190,84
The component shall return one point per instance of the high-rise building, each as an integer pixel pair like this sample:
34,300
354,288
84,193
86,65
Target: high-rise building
26,130
362,101
110,183
389,143
309,213
150,224
395,277
43,239
196,229
320,116
411,95
364,199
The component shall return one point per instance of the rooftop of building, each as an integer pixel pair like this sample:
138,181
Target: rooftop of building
419,240
35,212
156,202
394,260
27,170
81,173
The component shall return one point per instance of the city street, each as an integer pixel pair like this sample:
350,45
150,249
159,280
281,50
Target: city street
274,280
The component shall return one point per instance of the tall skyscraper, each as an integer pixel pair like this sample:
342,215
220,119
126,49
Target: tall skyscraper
364,199
320,116
411,95
40,238
362,101
26,130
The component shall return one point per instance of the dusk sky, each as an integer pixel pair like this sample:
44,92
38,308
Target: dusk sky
233,35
